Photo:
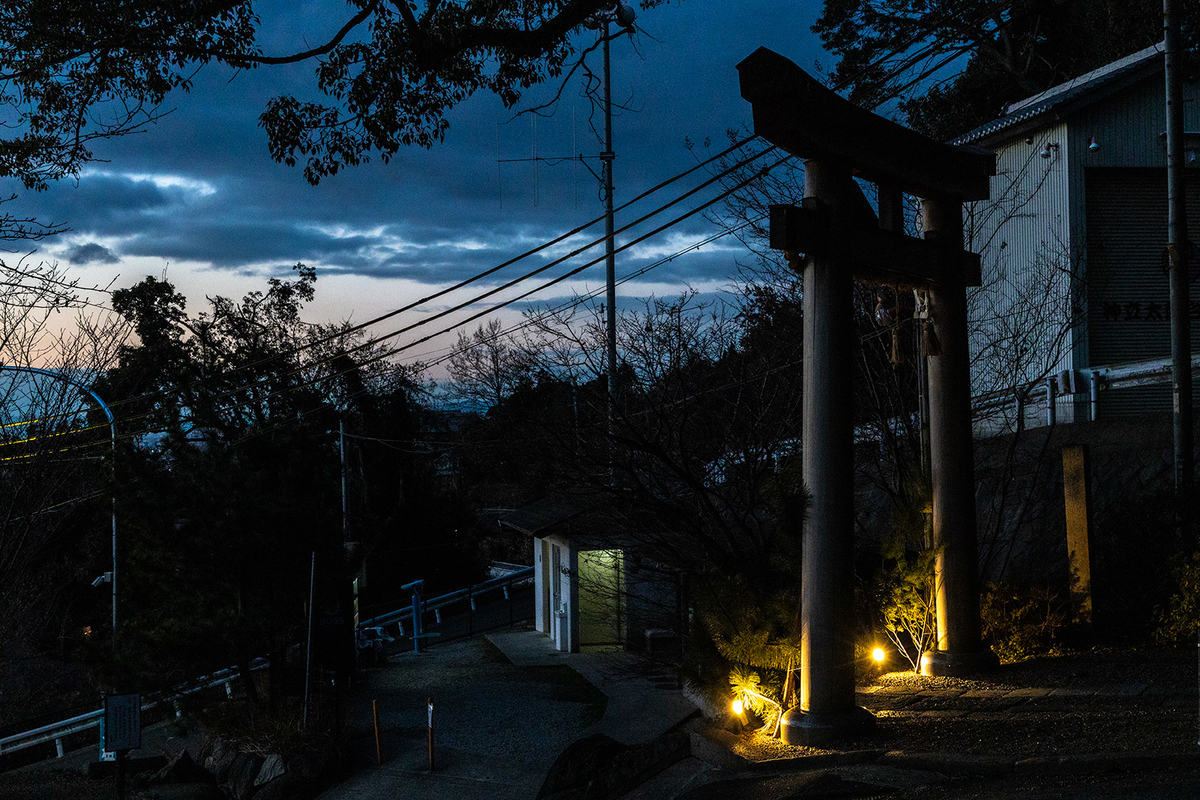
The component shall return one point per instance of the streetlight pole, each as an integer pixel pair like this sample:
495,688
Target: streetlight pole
112,429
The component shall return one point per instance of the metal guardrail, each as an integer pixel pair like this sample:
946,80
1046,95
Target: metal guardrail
57,731
1084,380
435,604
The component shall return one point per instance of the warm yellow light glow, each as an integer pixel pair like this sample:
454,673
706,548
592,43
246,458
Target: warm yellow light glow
878,654
737,707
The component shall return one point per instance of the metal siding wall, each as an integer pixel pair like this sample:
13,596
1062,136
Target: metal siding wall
1128,293
1029,216
1024,235
1128,127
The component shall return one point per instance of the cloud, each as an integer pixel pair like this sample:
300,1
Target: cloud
190,185
90,253
199,190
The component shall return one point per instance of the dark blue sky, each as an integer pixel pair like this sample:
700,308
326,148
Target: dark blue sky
197,195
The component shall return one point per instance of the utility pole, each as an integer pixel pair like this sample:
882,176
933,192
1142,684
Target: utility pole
1177,253
623,15
610,264
342,454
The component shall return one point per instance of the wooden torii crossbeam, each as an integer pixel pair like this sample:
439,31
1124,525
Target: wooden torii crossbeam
839,141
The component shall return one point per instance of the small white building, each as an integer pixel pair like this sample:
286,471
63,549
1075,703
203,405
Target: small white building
590,587
1073,242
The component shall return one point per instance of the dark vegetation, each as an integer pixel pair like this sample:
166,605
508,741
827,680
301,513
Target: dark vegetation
1000,53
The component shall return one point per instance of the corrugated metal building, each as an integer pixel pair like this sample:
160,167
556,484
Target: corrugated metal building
1073,244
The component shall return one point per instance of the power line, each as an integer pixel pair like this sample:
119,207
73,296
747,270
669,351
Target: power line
371,342
477,298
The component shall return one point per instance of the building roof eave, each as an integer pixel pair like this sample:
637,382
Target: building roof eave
1059,102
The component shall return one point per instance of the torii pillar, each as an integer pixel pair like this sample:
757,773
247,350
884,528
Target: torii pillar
827,586
952,460
841,239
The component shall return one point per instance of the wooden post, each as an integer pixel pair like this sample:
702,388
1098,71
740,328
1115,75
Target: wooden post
375,714
1078,497
431,734
827,708
959,649
120,774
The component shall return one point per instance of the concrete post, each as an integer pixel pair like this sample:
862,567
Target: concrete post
959,650
1077,495
827,709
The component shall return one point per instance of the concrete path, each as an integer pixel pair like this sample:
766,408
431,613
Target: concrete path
503,711
643,702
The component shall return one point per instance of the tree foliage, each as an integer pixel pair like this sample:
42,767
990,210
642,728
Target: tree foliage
55,447
76,71
232,469
693,453
484,367
903,592
996,53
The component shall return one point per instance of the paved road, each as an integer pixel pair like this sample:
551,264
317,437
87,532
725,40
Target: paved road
497,727
500,720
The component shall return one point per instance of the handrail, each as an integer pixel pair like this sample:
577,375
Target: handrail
56,731
441,601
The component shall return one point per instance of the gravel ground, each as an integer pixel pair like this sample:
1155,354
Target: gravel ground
1105,700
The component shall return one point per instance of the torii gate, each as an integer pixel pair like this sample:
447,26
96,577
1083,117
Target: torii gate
838,140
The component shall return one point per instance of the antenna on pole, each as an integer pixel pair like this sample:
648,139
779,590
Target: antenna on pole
624,16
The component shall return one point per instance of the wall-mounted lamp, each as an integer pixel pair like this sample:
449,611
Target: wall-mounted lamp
1048,149
1093,145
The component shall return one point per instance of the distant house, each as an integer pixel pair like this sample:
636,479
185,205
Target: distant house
591,583
1073,243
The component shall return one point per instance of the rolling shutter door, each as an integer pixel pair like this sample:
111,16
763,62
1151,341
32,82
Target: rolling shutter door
1128,293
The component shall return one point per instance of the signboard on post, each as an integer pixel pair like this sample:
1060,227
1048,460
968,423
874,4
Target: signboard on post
122,722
